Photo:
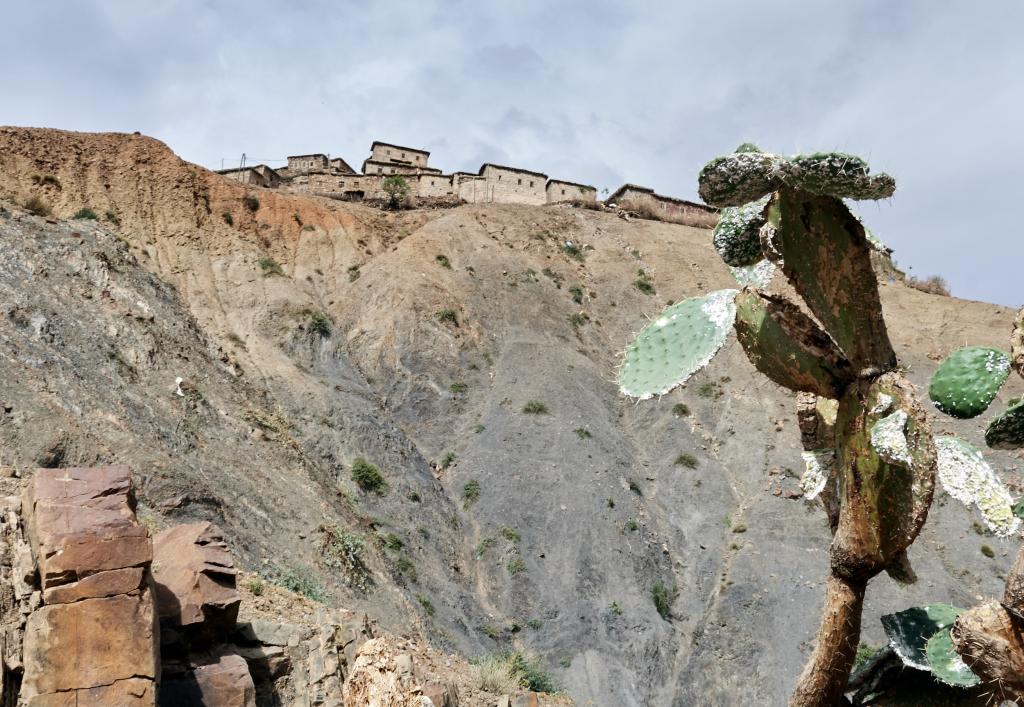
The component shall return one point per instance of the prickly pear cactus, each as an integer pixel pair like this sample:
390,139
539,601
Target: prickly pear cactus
967,477
946,664
1007,430
966,383
739,178
677,344
910,629
736,237
836,174
759,274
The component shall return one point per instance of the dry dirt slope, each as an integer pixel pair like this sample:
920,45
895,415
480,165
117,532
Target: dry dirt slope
98,326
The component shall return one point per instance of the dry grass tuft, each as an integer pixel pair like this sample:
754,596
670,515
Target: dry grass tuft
933,285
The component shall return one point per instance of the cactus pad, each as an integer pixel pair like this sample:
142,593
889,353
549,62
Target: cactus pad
836,174
747,147
1007,430
736,237
757,275
909,631
968,478
966,383
946,664
739,178
819,466
889,439
677,344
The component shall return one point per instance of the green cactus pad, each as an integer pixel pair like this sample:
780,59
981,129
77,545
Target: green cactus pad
967,477
757,275
946,664
966,383
739,178
827,258
788,347
836,174
747,147
736,237
677,344
1007,430
909,631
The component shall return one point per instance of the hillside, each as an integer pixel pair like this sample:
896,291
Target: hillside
309,333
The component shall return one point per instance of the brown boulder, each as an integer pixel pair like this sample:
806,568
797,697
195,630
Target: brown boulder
90,644
195,581
991,641
103,584
223,683
82,521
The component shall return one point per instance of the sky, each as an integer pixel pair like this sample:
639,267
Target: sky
600,92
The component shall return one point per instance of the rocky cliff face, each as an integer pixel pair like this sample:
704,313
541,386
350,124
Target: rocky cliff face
308,333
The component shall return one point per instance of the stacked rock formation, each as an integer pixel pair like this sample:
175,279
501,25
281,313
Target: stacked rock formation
92,641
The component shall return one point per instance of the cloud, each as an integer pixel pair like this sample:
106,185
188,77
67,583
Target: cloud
596,92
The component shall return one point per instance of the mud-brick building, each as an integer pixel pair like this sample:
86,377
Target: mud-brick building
397,155
558,190
297,164
258,176
339,165
637,198
511,185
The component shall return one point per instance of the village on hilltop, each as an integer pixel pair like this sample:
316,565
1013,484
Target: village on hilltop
321,175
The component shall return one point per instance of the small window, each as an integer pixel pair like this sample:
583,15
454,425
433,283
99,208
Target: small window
563,192
403,154
388,151
519,181
531,182
499,177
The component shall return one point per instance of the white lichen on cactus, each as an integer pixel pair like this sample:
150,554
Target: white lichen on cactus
967,477
757,275
889,439
819,465
736,236
836,174
882,405
677,344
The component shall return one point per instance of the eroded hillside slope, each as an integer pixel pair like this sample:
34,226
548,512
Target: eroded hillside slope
309,333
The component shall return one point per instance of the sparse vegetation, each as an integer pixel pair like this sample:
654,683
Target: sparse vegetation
427,605
301,581
251,202
46,180
572,250
577,294
37,206
710,390
510,534
631,525
496,674
112,217
535,407
582,433
615,608
610,502
483,546
458,387
680,410
443,261
447,316
393,542
353,273
664,596
397,191
865,652
635,487
739,528
255,587
987,551
934,285
368,477
342,549
228,218
643,283
477,429
447,460
319,324
686,459
516,565
534,624
578,319
86,213
470,493
270,267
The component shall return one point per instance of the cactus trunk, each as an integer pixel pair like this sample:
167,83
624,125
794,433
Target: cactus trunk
824,678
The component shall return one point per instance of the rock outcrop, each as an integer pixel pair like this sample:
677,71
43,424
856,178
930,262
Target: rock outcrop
93,640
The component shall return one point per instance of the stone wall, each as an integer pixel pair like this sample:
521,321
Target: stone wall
648,204
507,185
569,191
305,163
383,152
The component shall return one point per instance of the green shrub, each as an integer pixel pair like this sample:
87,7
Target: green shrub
534,677
414,497
686,459
35,205
615,608
987,551
478,429
397,191
483,546
251,202
710,391
443,261
664,597
447,315
535,407
643,283
510,534
534,624
631,525
368,477
447,460
86,213
582,433
393,542
427,605
112,217
578,319
269,266
256,587
458,387
470,493
572,250
342,549
300,581
516,565
353,273
577,294
228,218
405,565
610,502
865,652
680,410
319,324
